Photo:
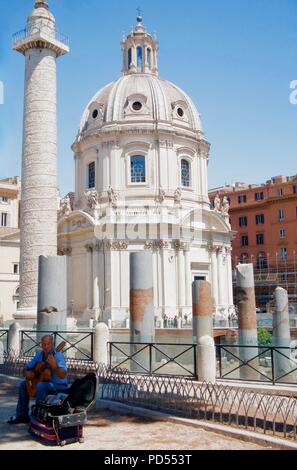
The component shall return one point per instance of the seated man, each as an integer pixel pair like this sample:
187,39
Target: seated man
56,379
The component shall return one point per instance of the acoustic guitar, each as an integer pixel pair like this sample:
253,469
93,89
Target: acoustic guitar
42,373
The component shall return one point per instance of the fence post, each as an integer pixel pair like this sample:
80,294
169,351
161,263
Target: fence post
220,360
272,365
13,340
101,340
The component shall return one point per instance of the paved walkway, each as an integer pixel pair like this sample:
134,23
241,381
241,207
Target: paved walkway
106,430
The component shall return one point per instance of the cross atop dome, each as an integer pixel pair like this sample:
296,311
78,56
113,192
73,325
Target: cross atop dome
41,3
140,50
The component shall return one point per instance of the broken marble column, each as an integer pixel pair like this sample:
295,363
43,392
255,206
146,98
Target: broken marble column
281,334
142,325
247,322
203,310
101,340
206,359
14,340
52,293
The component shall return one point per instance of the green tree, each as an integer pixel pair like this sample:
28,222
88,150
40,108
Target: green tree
264,337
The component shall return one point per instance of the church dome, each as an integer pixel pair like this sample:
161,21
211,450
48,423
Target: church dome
140,98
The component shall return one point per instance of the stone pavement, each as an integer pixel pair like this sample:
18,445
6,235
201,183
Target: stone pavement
108,430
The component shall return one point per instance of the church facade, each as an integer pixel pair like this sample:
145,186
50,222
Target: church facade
141,183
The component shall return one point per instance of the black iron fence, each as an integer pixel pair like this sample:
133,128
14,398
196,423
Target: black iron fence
79,344
154,358
228,405
257,363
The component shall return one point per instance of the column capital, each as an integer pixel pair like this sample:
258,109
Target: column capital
89,247
98,246
64,251
116,245
156,245
180,245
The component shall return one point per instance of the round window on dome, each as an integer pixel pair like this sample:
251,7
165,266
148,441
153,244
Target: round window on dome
180,112
137,106
95,114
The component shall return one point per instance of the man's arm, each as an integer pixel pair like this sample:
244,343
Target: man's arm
58,366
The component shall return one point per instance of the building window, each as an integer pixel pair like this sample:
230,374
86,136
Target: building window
139,59
138,169
241,199
261,261
283,253
15,268
282,233
243,222
259,196
295,189
280,192
129,58
4,199
244,258
4,219
185,173
260,219
281,214
149,58
92,175
260,239
244,240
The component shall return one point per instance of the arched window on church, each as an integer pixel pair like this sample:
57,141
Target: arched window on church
149,57
138,169
129,58
185,173
92,175
139,59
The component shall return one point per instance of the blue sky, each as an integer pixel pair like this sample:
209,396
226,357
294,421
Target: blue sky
235,58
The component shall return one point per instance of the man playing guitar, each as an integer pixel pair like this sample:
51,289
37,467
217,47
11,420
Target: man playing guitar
56,379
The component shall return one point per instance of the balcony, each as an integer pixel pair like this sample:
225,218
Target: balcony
32,37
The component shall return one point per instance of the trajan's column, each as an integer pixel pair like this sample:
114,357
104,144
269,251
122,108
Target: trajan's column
41,44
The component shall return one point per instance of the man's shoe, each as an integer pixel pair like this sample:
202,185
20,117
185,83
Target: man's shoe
19,420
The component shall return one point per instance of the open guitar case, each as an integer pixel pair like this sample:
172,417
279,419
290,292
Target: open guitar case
61,418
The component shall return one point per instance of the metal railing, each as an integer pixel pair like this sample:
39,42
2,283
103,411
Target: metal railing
154,358
79,344
257,363
13,365
35,31
232,406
